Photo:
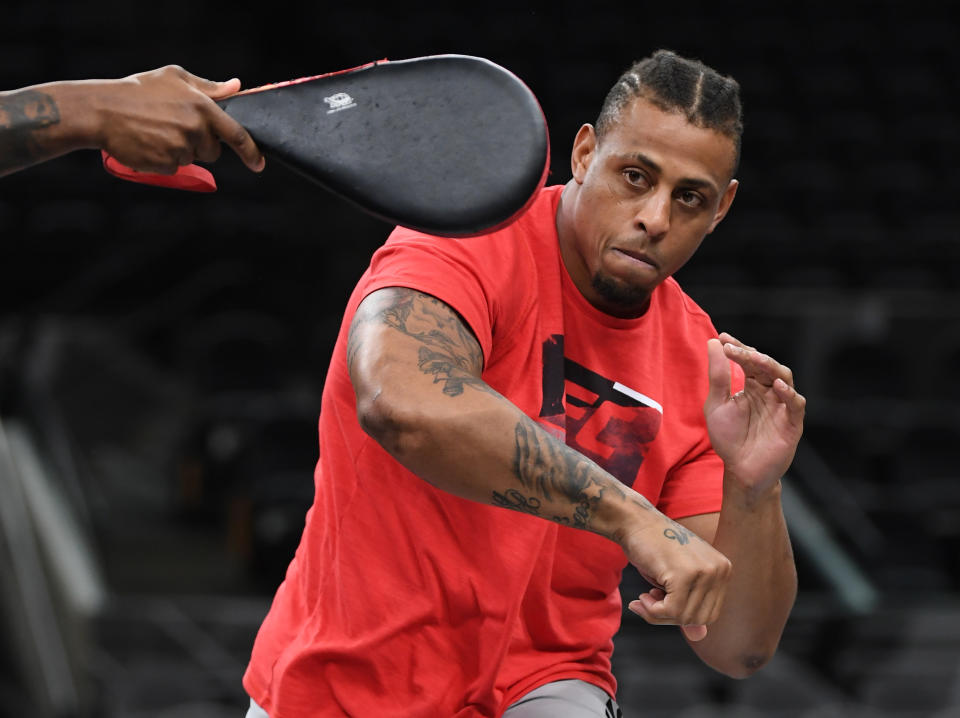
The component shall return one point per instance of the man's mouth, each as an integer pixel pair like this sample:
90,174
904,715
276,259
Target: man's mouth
638,257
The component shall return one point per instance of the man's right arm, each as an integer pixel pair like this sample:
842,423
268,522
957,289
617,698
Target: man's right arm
153,121
416,370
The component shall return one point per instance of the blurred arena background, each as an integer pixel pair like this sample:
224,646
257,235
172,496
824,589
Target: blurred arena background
162,354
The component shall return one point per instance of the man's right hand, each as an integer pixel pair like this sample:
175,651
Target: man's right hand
688,576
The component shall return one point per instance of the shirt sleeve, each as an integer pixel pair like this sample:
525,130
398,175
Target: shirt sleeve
469,275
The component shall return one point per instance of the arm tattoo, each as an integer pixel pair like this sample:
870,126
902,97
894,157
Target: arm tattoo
513,499
557,473
448,352
20,114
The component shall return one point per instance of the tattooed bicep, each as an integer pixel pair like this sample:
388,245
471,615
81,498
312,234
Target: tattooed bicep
445,346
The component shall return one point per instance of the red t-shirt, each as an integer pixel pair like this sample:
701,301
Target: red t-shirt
404,600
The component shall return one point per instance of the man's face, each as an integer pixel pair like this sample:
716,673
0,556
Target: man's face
642,201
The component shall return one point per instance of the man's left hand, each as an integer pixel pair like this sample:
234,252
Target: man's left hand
755,431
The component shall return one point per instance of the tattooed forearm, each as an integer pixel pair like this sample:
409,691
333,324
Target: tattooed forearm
21,114
562,476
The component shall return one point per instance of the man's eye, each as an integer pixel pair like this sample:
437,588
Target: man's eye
635,177
691,198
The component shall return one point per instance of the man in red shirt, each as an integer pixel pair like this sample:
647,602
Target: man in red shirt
555,369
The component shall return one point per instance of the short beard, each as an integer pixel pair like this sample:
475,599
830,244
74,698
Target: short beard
631,299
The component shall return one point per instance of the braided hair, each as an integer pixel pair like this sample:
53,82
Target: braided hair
680,85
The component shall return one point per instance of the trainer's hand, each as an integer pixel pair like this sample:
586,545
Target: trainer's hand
689,576
755,431
159,120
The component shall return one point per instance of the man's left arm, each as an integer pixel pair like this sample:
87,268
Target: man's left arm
756,433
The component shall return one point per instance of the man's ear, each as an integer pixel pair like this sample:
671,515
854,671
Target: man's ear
583,148
724,205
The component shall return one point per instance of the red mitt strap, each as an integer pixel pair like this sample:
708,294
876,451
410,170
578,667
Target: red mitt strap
190,177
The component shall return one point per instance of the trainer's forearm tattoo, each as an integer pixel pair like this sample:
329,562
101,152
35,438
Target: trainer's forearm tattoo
21,113
448,352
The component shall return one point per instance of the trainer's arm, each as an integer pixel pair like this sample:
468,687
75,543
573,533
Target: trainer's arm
756,433
152,121
416,370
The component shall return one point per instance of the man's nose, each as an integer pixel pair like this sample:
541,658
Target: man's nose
653,215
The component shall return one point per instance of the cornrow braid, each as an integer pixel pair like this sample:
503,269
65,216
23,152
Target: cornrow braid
678,84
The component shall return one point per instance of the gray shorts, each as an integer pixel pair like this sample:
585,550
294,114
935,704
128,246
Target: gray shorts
560,699
565,699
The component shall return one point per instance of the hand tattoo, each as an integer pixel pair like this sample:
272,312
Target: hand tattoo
679,535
